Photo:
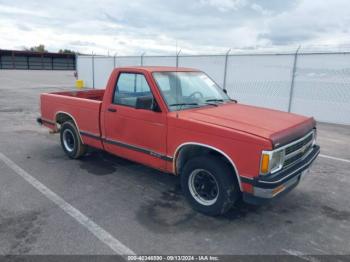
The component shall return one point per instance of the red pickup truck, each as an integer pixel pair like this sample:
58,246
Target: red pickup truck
180,121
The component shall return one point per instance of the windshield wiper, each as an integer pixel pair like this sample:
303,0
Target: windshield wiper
214,100
220,100
192,104
212,104
184,104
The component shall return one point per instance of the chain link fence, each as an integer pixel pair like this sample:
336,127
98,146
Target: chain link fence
312,84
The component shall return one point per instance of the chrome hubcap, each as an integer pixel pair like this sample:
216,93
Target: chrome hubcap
68,140
203,187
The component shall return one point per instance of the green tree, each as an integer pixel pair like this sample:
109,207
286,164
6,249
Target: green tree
39,48
67,51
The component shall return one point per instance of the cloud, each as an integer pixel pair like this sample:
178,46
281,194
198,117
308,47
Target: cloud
225,5
157,26
310,22
82,43
258,8
23,27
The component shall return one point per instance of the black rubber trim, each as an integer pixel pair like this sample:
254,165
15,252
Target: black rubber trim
284,175
83,133
246,180
135,148
131,147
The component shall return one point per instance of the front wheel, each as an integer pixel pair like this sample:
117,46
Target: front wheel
70,141
209,185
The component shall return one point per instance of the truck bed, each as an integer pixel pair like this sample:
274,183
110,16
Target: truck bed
86,94
82,106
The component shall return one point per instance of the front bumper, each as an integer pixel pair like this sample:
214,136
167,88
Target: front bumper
278,184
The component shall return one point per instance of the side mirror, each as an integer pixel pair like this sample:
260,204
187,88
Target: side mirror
147,103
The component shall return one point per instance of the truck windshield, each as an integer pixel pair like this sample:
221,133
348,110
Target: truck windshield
189,89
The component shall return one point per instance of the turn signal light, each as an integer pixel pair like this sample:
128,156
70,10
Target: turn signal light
264,168
278,190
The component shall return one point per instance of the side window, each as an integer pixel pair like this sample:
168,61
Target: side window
129,87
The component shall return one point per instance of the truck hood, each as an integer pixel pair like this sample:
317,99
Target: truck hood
280,127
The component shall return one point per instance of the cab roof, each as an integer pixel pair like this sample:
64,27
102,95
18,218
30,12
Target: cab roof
160,68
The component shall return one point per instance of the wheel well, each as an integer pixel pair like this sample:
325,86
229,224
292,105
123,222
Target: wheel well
63,117
192,150
189,151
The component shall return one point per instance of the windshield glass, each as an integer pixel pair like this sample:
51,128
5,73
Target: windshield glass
189,89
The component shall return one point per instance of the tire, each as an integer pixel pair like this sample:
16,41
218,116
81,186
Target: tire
200,177
70,141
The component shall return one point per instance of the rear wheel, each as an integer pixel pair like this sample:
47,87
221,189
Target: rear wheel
70,140
209,185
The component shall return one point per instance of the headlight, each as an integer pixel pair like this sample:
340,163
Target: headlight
271,161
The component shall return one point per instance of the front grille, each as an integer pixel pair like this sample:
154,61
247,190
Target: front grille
297,150
298,145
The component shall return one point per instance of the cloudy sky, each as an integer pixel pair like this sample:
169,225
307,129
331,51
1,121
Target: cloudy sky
130,27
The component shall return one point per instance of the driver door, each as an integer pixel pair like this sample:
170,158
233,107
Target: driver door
135,134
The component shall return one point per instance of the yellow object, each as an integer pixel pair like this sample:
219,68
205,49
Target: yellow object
79,84
264,168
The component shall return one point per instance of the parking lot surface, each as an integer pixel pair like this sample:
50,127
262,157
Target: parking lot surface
142,208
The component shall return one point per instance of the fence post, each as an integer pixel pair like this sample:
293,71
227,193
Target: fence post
114,60
13,60
225,69
76,63
291,91
93,70
177,58
142,55
42,61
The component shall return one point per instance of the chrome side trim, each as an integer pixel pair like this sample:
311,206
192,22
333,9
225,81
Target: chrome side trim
128,146
91,135
211,147
138,149
247,178
75,122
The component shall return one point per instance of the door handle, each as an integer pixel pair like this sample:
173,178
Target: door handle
112,110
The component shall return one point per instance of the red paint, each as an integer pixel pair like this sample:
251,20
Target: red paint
241,132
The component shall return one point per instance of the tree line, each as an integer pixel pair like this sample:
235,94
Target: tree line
42,49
